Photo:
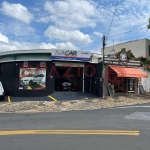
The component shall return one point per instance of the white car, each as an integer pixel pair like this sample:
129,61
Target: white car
2,93
32,79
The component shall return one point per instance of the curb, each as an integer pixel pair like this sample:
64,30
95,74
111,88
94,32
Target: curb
63,106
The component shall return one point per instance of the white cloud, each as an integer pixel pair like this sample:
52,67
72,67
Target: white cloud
16,11
99,34
46,46
3,38
7,47
71,15
71,36
66,45
17,46
27,46
20,29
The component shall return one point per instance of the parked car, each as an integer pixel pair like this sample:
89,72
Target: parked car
64,84
32,79
2,93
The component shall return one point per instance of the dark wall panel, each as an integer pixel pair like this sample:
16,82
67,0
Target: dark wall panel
97,86
87,77
9,75
7,78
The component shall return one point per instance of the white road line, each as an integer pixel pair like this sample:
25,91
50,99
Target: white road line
131,107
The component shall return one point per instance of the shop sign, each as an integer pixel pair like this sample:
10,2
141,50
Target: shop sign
130,84
70,55
123,56
118,62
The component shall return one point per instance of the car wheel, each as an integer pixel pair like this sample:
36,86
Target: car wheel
30,83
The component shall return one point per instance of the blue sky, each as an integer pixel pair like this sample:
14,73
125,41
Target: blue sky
71,24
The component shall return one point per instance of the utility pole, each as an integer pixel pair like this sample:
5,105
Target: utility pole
104,44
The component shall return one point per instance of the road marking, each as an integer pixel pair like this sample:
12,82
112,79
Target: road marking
29,87
131,107
88,132
9,99
41,84
52,98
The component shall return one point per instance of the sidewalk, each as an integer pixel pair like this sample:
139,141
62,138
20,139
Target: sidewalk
83,104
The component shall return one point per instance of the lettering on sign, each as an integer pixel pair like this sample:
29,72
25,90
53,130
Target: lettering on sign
117,61
66,53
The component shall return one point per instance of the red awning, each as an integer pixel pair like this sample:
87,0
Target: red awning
129,72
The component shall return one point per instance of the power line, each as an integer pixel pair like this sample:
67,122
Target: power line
134,37
128,31
112,18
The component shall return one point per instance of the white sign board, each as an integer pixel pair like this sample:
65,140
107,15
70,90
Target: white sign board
70,55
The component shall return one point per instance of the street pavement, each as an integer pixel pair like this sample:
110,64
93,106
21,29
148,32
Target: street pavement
124,119
59,102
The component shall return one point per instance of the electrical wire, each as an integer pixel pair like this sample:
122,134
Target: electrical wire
112,18
128,32
134,37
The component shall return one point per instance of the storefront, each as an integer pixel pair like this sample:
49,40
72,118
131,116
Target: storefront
41,72
69,66
122,75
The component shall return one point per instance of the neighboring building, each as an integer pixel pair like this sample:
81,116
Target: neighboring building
123,74
43,71
138,47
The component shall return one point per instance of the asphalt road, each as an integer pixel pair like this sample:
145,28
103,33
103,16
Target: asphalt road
122,119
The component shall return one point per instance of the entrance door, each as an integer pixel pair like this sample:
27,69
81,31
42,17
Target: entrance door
69,79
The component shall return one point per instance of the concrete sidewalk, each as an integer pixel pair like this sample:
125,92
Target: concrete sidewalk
72,105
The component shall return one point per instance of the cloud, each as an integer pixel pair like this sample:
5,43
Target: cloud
99,34
18,29
27,46
7,47
66,45
130,15
75,36
71,15
46,46
3,38
17,46
16,11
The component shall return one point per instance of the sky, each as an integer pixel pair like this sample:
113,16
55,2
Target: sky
71,24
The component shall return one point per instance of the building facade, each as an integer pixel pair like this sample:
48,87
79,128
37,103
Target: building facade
123,74
138,47
41,72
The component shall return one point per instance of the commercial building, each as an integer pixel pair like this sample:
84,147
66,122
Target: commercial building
43,71
123,74
139,47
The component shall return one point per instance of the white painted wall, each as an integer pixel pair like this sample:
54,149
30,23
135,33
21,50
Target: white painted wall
146,81
138,47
